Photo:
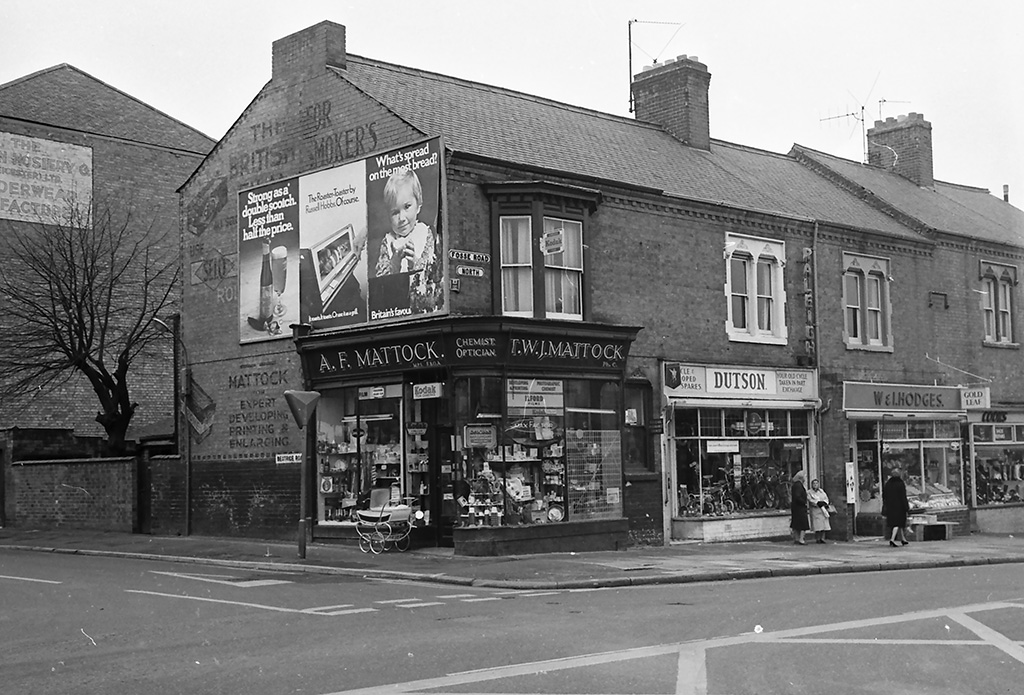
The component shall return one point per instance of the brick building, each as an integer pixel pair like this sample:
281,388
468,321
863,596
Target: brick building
106,145
574,330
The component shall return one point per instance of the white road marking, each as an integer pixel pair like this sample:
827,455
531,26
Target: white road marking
691,678
424,604
456,595
399,600
246,604
29,579
482,598
226,579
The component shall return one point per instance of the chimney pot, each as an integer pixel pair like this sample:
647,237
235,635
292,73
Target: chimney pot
1006,192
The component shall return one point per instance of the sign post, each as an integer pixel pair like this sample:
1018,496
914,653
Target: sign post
303,405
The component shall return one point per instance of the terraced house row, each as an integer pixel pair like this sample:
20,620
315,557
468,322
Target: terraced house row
534,327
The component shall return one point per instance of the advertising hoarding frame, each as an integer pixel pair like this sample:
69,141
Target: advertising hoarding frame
336,258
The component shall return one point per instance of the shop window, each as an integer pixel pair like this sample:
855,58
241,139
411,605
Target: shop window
593,447
867,303
478,398
931,464
778,423
737,460
635,435
710,422
998,464
799,423
686,423
359,449
997,283
755,290
540,234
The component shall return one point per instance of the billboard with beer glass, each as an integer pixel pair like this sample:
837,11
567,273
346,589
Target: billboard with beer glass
357,244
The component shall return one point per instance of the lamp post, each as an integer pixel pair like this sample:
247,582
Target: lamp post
180,403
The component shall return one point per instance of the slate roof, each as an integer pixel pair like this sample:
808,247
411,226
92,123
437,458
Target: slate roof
504,125
66,97
946,207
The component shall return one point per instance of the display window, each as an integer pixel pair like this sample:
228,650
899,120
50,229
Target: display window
928,453
735,460
998,464
537,451
359,450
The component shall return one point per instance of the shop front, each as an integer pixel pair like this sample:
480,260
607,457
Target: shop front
734,438
499,436
915,429
996,447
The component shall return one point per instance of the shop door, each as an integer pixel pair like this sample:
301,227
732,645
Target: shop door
444,511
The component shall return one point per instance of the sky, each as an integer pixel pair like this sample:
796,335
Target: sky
811,72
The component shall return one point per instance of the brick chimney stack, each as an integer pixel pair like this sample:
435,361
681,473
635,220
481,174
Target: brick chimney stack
904,145
309,51
674,95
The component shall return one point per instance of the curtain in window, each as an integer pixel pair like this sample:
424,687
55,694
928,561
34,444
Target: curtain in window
516,265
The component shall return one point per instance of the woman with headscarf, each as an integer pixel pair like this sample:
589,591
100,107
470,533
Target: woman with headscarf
817,502
798,508
895,506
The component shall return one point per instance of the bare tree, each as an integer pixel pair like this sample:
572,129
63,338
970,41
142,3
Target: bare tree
79,293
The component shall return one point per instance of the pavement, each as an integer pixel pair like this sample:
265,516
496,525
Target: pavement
675,564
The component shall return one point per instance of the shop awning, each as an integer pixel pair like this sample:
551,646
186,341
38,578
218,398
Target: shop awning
906,414
742,403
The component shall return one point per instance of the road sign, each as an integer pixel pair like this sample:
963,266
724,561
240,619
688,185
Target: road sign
302,404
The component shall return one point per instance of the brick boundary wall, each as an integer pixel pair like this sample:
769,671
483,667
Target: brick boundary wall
79,493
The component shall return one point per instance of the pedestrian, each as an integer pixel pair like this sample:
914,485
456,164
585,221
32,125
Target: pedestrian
817,501
895,506
798,508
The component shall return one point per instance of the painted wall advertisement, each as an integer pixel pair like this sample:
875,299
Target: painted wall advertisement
356,244
39,178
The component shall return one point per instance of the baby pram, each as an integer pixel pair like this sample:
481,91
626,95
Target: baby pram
385,525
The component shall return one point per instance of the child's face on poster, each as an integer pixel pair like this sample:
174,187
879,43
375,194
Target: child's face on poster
405,211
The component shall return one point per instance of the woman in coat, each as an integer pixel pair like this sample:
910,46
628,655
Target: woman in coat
895,506
798,508
817,502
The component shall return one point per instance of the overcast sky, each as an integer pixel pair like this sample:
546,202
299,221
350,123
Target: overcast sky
783,72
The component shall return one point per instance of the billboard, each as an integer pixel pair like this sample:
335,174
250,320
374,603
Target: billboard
354,245
40,178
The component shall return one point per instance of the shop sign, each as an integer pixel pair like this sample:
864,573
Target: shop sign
656,427
480,437
851,480
567,352
754,422
900,397
535,397
1002,433
535,386
431,390
723,446
976,398
378,357
469,256
481,348
708,381
370,393
416,428
281,459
